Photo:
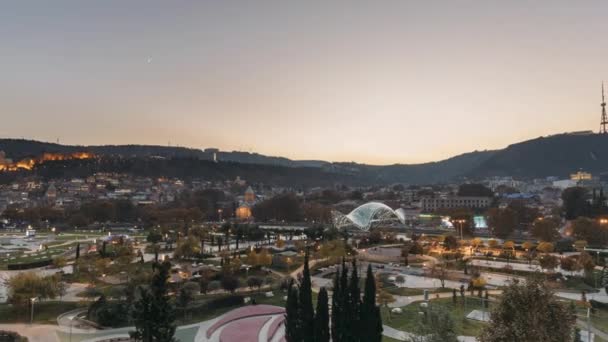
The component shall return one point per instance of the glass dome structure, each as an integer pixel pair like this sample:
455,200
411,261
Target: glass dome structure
367,214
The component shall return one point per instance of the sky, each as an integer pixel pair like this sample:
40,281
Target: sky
377,82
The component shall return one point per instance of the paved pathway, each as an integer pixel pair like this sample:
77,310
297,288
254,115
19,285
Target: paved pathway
35,332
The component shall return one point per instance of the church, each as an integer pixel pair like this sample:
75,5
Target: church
243,212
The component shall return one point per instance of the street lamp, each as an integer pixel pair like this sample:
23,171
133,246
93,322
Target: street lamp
460,222
32,300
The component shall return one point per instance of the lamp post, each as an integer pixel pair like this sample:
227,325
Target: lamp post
460,223
32,300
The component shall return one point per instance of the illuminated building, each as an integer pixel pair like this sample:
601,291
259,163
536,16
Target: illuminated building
243,212
581,176
430,204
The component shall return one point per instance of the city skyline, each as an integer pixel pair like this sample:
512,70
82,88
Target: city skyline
399,83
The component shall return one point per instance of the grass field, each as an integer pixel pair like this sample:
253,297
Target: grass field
408,320
44,312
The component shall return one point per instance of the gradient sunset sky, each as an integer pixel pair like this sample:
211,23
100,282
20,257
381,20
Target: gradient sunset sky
368,81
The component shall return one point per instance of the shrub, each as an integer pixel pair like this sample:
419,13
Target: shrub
214,285
255,282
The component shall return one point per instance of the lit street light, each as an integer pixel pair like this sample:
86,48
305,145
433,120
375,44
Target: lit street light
461,223
32,300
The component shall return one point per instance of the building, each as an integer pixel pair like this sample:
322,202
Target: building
429,204
581,176
243,212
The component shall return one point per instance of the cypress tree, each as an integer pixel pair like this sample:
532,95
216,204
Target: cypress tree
343,302
335,307
292,319
354,305
376,335
371,321
78,251
154,314
322,317
307,314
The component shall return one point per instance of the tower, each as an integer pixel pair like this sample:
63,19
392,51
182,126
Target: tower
604,121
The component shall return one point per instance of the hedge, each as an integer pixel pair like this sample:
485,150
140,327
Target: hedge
28,265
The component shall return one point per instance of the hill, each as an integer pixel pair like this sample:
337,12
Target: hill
557,155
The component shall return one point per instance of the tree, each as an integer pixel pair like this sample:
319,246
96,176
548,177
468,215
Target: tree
229,282
322,317
435,325
285,207
529,312
569,264
440,271
545,229
492,243
405,253
343,302
545,247
525,214
293,326
252,258
336,309
353,305
548,262
264,258
187,248
450,242
575,202
154,237
371,329
305,301
585,262
186,295
527,245
153,314
255,282
59,262
502,222
587,229
24,286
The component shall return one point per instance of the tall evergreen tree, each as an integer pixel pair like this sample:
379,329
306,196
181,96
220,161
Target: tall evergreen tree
307,314
343,332
292,316
153,313
336,312
78,251
371,322
322,317
353,305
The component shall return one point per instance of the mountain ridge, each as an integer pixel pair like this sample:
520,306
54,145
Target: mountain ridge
554,155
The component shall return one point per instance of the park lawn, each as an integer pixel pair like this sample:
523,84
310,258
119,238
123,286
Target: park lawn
409,291
408,320
28,258
45,312
599,318
389,339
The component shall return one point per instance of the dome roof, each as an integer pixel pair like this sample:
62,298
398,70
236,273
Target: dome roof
364,215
